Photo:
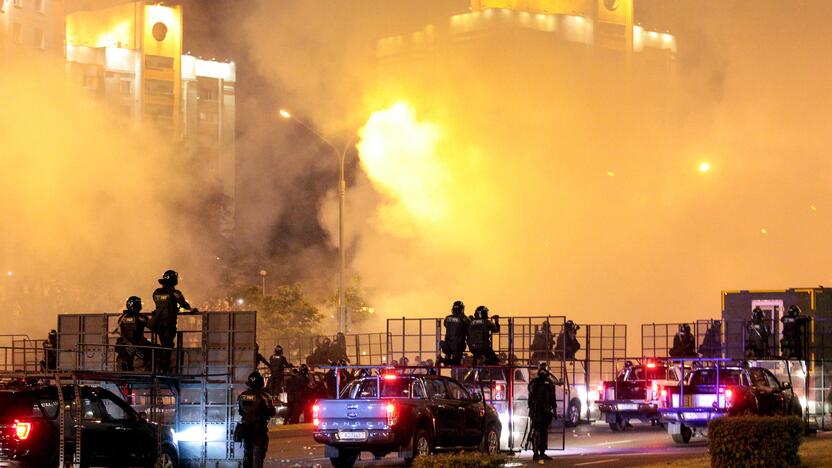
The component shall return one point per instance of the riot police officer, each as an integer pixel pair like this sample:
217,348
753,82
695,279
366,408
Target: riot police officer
541,347
684,344
793,343
542,408
131,326
479,336
255,408
757,335
168,301
567,342
277,364
50,351
711,346
456,325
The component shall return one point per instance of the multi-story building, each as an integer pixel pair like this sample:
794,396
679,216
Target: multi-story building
571,30
129,56
28,26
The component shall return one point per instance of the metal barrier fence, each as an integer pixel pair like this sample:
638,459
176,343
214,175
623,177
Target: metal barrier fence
657,338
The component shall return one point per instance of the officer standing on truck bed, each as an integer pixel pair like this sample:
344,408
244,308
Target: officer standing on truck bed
795,327
567,343
542,408
50,351
479,336
168,301
255,408
711,346
541,347
456,325
757,335
684,345
131,326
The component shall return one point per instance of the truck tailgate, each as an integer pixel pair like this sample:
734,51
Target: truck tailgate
354,414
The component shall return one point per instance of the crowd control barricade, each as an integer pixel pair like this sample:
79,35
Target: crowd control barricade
657,338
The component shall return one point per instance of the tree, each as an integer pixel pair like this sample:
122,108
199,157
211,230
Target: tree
285,312
358,307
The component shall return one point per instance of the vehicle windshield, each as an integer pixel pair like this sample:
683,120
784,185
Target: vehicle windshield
368,388
708,377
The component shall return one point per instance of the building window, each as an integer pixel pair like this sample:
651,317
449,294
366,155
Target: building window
40,39
18,3
125,87
17,33
40,6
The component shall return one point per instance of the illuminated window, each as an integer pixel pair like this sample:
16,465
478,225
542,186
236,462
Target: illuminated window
40,39
17,33
40,6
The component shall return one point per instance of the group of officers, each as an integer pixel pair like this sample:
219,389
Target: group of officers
133,350
757,332
476,332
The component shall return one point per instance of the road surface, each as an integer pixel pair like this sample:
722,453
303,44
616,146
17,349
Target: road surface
587,445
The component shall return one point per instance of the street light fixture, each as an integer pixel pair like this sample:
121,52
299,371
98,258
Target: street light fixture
342,190
263,274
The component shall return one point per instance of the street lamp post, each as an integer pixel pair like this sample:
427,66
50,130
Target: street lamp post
263,274
342,194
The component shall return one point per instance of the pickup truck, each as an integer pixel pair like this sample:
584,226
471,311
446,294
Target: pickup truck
636,393
725,390
412,414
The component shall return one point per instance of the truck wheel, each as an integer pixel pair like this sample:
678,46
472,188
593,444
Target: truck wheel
345,459
422,446
573,413
490,441
684,435
618,425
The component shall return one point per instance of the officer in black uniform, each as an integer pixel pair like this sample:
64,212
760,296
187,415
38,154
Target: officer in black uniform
255,408
567,343
456,325
50,351
479,336
339,347
684,344
131,326
542,408
711,346
795,327
757,333
541,347
168,301
277,364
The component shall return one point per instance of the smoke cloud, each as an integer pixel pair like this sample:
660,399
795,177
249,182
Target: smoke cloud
93,206
550,179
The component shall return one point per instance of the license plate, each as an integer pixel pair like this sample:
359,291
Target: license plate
627,407
352,435
695,415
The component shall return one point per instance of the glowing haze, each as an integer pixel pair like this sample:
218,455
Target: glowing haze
522,177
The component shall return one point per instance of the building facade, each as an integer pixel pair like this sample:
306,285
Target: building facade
129,56
30,26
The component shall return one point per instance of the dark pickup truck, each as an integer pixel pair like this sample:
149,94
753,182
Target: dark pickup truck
636,393
412,414
725,390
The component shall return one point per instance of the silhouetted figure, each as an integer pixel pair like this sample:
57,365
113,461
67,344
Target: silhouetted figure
456,325
684,344
757,335
567,344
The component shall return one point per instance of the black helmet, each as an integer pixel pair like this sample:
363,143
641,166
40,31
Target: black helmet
255,381
794,310
543,370
569,324
304,369
483,311
170,278
458,307
278,350
134,304
342,362
53,333
686,328
546,324
758,313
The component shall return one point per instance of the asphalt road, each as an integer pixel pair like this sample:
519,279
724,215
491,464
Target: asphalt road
588,445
